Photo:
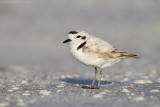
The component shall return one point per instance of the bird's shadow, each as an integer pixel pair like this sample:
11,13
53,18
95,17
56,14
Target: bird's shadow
83,81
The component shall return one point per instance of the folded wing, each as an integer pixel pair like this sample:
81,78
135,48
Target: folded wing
98,48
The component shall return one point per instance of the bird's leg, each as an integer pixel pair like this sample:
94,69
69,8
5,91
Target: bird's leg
94,76
92,86
100,75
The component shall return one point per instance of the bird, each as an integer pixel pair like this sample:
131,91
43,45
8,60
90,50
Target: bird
94,52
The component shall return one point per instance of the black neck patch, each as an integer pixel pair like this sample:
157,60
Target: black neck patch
81,45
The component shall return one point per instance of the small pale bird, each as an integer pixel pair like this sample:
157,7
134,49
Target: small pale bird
94,52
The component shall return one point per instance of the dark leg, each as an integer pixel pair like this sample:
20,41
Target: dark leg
92,86
94,76
100,75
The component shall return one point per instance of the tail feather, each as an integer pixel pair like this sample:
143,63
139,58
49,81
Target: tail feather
127,55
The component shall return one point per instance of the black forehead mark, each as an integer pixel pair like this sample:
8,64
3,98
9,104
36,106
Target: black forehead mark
81,45
73,32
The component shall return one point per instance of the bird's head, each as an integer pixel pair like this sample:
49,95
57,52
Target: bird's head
76,37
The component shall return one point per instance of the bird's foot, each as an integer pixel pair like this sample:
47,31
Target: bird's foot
89,87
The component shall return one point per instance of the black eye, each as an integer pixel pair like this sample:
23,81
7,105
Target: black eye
78,36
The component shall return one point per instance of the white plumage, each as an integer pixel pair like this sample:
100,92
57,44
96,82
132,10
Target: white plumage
94,52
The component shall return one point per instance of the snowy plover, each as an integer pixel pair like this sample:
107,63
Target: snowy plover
94,52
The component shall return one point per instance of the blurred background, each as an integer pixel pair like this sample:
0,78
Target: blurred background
32,31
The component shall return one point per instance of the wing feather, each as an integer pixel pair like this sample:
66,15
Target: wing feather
98,48
101,49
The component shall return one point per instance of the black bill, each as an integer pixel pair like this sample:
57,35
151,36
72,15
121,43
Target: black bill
66,41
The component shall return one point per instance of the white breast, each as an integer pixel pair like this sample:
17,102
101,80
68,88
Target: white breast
90,60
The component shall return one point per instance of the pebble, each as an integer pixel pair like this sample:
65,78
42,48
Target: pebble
10,90
154,91
15,88
97,96
4,104
158,80
60,86
112,83
125,90
153,97
62,77
143,82
16,68
106,91
26,93
45,92
59,91
8,98
1,81
129,97
125,79
142,93
18,91
84,91
138,99
103,79
70,76
24,82
153,73
77,85
103,93
20,102
107,76
128,74
130,87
